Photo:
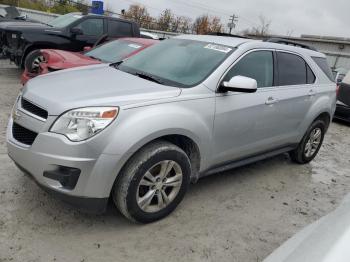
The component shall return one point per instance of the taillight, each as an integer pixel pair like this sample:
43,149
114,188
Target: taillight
338,88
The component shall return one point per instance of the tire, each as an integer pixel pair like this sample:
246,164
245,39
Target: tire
134,182
301,154
32,61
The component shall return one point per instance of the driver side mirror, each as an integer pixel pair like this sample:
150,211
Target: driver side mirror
76,31
239,84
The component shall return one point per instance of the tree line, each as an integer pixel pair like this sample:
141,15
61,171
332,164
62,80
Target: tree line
166,21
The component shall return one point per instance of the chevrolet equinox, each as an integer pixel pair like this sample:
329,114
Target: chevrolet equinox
140,131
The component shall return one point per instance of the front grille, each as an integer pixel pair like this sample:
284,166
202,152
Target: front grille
23,135
34,109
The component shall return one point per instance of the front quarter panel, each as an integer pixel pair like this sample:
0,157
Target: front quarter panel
135,127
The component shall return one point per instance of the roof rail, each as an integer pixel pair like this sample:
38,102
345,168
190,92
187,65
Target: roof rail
289,42
229,35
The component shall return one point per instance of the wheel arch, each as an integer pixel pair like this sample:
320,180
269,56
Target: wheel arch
31,48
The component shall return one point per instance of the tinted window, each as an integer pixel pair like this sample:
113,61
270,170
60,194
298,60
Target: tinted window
323,64
257,65
114,51
178,62
118,28
92,27
292,69
310,75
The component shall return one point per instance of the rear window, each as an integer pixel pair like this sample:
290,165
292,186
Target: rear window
323,64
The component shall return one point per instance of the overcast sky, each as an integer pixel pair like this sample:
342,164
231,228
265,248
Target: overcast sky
317,17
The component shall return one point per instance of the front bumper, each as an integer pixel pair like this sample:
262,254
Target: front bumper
50,152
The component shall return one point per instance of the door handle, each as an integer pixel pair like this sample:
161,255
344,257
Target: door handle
271,100
312,92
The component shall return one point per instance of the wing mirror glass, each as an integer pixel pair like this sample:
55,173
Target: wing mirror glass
239,84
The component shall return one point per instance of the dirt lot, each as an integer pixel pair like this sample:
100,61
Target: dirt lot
241,215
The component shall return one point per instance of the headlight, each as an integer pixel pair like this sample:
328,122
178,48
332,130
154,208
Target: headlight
83,123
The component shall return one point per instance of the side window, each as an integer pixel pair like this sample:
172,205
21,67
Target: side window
291,69
119,28
323,64
93,27
257,65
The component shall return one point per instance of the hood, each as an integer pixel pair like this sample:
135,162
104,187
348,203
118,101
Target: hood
97,85
59,59
21,25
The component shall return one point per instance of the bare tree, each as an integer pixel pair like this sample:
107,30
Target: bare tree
290,32
205,24
185,25
166,20
138,14
263,28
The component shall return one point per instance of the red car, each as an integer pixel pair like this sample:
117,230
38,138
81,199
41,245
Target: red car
51,60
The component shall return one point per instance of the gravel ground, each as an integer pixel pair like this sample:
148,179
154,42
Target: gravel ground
241,215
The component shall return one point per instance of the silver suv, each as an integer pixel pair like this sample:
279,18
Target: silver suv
139,131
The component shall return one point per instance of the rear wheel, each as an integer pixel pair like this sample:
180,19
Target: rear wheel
33,60
310,144
153,182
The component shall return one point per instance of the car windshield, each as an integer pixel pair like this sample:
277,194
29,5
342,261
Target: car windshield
114,51
178,62
64,20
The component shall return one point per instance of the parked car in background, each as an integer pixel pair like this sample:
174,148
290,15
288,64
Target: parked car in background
44,61
343,104
326,240
148,35
11,14
140,130
11,17
70,32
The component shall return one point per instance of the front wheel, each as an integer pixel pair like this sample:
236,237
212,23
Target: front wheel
310,144
33,61
153,182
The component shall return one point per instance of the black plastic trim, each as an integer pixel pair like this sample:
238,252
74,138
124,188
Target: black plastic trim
247,160
85,204
67,176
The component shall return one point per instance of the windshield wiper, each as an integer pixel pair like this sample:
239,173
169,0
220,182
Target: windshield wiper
116,64
149,77
94,57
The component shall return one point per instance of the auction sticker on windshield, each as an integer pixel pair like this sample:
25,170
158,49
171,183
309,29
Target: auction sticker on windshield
219,48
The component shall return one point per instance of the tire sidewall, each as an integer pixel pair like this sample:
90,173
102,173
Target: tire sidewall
131,202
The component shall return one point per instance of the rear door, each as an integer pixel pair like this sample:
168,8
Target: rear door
118,28
295,93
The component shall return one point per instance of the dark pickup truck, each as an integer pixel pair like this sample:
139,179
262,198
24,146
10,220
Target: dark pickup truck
71,32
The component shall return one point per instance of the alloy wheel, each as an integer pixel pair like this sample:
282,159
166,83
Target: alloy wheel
313,142
159,186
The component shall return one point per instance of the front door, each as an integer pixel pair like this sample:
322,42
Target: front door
244,122
92,29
